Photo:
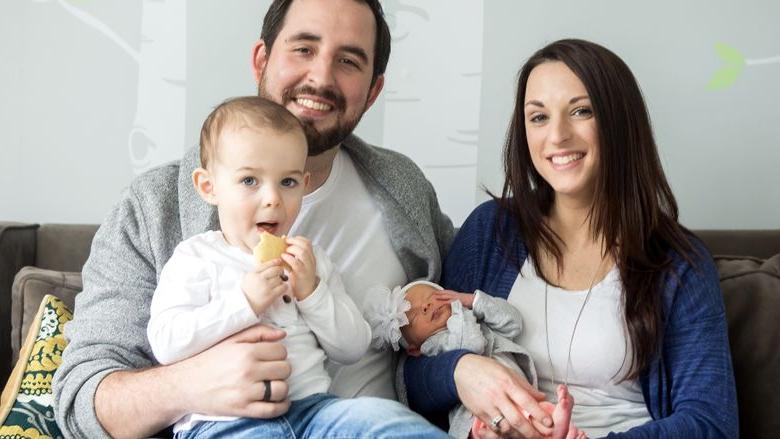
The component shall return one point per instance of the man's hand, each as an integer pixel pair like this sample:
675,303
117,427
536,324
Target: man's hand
303,266
232,374
264,286
226,379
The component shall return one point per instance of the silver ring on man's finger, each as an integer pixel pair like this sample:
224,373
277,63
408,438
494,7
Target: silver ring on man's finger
495,421
267,393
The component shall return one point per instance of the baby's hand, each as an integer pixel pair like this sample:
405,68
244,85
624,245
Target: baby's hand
264,285
303,266
450,296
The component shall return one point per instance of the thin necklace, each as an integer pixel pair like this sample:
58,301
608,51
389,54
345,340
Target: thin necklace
573,331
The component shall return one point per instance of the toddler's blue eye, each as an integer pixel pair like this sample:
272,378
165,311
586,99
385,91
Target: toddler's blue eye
289,182
249,181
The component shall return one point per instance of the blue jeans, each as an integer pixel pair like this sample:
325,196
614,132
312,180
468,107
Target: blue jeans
326,416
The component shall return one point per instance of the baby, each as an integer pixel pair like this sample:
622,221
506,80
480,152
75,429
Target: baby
425,319
253,154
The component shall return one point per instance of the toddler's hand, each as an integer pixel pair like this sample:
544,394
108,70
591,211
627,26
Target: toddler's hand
303,266
450,296
264,285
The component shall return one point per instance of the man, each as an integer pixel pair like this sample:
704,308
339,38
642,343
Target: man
372,210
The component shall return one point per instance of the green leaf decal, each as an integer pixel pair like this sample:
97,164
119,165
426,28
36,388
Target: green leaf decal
730,55
724,77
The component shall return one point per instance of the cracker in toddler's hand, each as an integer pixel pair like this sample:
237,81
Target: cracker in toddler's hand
269,248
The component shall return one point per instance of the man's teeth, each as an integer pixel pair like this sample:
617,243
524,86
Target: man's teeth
564,159
314,105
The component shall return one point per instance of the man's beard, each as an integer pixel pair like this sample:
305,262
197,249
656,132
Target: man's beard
319,141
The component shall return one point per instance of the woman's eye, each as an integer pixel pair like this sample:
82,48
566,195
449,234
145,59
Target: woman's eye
289,182
538,118
249,181
582,112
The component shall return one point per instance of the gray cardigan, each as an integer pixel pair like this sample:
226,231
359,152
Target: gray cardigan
160,209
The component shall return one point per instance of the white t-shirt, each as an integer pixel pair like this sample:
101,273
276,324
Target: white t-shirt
343,219
600,351
199,301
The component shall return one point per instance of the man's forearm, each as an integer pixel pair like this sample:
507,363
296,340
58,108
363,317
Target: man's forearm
139,403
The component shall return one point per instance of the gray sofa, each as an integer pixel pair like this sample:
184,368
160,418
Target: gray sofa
40,259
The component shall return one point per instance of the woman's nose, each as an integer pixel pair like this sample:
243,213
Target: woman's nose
560,131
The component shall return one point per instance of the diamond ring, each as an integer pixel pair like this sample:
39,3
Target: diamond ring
495,421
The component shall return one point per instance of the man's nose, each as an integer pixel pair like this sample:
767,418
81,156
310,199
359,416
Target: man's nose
321,72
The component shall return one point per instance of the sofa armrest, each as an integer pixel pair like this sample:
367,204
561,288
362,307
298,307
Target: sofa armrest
17,250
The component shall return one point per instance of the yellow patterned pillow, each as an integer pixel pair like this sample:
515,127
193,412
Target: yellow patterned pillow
26,405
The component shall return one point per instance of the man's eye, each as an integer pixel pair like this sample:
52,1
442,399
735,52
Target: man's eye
303,50
289,182
249,181
350,63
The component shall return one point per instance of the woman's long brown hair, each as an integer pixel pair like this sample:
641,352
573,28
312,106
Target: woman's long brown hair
634,210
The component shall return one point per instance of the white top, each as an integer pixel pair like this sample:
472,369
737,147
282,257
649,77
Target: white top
199,301
600,352
343,219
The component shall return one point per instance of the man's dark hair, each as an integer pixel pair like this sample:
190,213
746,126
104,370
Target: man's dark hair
274,20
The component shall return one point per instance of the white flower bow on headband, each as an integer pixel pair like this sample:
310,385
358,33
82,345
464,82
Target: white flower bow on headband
385,312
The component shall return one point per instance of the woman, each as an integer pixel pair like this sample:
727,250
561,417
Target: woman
619,301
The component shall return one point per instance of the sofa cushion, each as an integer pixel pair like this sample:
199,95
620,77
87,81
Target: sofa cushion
751,292
31,284
26,404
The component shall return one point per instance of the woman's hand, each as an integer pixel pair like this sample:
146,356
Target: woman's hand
488,389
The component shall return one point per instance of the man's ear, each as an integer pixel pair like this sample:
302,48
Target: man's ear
373,93
413,350
201,179
259,60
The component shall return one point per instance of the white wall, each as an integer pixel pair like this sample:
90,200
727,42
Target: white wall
94,92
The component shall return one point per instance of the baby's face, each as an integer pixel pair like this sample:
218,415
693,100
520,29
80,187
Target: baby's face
427,315
259,181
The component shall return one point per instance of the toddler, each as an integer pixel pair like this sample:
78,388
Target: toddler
253,153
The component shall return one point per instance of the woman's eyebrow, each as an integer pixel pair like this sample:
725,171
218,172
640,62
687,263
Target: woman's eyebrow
535,103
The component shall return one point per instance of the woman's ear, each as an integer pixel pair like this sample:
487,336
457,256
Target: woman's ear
306,178
201,179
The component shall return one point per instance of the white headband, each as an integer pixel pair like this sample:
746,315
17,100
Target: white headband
385,311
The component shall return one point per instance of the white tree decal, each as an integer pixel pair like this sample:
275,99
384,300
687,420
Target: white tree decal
158,129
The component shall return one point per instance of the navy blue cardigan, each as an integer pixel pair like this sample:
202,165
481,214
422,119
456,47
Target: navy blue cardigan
689,388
